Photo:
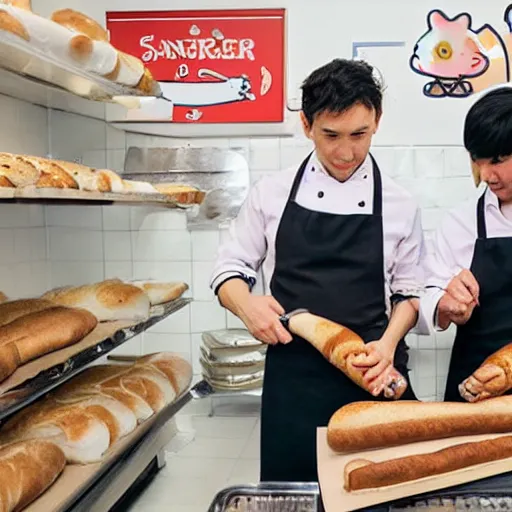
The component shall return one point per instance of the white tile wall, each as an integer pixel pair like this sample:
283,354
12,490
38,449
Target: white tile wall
24,267
54,246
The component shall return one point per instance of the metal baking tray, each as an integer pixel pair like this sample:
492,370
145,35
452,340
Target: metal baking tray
486,495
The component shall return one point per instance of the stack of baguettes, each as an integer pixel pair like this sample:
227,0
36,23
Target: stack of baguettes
31,328
32,173
76,41
364,426
82,420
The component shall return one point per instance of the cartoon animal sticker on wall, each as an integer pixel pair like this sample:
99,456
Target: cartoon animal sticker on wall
460,60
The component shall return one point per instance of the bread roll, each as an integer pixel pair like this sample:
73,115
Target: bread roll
108,300
14,309
12,25
160,293
492,378
39,333
341,347
79,22
81,435
367,425
183,194
17,171
27,470
369,475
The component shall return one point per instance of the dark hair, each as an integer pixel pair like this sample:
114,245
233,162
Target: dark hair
339,85
488,125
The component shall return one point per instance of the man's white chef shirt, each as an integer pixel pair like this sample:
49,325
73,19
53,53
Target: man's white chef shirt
251,240
452,250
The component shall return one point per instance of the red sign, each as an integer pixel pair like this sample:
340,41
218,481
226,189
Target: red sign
215,66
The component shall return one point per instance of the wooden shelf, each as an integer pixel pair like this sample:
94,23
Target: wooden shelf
72,196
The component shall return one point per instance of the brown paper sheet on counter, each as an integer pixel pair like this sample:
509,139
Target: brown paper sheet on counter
331,467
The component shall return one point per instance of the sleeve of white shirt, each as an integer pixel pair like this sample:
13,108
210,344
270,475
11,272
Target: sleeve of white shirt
450,252
246,246
407,278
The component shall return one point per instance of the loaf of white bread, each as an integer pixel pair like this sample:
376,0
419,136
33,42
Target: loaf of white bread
35,334
87,415
492,378
77,41
27,470
342,347
367,425
32,172
361,474
114,299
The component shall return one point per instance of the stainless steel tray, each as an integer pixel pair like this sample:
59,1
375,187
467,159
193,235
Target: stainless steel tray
282,497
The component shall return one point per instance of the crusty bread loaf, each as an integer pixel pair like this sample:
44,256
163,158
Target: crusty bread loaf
17,171
39,333
341,347
107,300
27,470
11,24
360,474
3,297
367,425
14,309
159,292
81,435
114,180
51,174
79,22
86,178
492,378
183,194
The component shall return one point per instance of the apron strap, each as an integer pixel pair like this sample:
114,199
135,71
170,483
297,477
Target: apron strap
377,184
480,217
377,188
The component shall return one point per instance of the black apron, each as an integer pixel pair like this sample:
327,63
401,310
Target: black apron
490,325
332,265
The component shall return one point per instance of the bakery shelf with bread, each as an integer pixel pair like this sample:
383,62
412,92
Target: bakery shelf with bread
30,178
70,51
96,419
44,341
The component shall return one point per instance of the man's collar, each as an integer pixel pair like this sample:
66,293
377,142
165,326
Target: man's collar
314,165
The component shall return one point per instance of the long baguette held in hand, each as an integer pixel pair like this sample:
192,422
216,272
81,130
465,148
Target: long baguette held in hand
341,347
27,470
362,474
493,378
368,425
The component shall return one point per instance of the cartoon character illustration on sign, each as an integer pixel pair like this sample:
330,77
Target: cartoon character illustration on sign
462,60
208,92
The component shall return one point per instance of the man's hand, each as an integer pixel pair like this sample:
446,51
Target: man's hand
459,301
376,365
260,314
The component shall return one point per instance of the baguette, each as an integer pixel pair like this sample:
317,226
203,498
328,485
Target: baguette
81,23
362,474
341,347
20,4
37,334
27,470
14,309
81,435
51,174
160,293
107,300
493,378
3,297
9,23
87,179
15,171
367,425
